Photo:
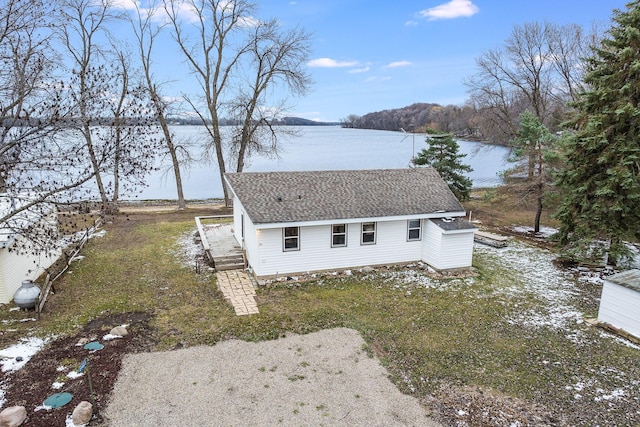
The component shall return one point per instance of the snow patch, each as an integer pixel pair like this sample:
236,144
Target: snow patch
545,232
187,249
17,355
613,395
74,374
109,337
536,275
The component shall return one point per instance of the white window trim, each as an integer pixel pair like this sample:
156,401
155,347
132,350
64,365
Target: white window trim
285,237
375,233
409,228
336,234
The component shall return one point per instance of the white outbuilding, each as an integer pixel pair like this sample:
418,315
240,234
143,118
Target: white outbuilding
620,302
297,222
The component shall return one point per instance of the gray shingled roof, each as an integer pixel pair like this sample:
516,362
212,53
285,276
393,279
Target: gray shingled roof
629,279
276,197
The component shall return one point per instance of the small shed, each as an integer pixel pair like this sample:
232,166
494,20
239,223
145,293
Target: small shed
620,302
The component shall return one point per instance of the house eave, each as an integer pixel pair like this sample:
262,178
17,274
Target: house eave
272,225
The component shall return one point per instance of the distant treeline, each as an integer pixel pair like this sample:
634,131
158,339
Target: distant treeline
419,117
285,121
180,121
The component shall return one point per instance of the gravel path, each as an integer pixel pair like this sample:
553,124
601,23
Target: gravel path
323,378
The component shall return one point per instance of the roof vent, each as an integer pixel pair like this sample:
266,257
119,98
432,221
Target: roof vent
279,198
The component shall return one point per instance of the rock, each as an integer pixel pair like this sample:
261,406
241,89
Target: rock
82,341
120,331
368,269
13,416
82,413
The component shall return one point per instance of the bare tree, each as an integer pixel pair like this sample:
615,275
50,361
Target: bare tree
131,129
212,54
38,168
238,62
146,32
539,68
109,113
85,23
274,58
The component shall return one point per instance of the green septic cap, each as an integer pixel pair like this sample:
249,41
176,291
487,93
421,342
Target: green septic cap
94,345
57,400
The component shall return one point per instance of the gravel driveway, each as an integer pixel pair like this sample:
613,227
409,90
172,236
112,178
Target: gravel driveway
323,378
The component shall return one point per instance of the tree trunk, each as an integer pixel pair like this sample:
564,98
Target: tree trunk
116,167
217,141
536,226
96,167
174,155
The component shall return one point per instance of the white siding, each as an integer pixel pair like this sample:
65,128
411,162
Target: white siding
620,307
456,250
447,250
431,244
249,243
238,211
15,268
316,252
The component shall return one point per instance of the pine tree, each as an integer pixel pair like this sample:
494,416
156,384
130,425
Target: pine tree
534,151
601,179
442,155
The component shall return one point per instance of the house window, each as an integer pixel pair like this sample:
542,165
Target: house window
414,229
291,238
368,233
338,235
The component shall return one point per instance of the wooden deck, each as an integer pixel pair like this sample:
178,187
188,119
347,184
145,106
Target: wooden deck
220,245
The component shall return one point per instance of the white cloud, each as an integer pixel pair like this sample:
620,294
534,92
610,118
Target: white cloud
410,23
360,70
125,4
378,79
248,21
451,10
397,64
330,63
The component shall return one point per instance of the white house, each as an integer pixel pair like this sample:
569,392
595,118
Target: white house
18,259
296,222
620,302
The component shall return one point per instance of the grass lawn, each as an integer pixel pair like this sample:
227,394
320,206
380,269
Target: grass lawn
515,330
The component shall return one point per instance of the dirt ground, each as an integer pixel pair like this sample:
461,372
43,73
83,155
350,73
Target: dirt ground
32,384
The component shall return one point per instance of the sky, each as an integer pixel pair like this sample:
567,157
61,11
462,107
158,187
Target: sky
374,55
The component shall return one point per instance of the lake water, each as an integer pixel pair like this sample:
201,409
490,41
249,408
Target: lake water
325,148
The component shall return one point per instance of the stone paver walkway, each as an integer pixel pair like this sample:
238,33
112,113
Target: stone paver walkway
237,287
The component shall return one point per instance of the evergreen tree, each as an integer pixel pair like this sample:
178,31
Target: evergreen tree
442,155
601,180
534,151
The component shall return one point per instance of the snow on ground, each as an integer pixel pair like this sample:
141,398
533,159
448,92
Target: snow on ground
534,274
544,231
188,249
408,278
16,356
